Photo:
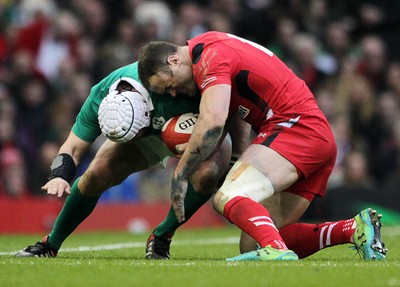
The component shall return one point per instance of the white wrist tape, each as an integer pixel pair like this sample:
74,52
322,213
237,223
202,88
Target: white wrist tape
246,181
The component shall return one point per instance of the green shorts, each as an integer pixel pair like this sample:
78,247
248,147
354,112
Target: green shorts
153,150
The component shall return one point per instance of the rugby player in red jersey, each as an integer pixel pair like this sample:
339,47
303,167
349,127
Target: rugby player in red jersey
285,166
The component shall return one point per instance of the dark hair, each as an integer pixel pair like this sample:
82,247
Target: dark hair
153,59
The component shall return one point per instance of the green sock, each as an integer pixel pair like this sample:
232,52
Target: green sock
76,209
193,201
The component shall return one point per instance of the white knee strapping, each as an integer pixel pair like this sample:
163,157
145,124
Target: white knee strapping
246,181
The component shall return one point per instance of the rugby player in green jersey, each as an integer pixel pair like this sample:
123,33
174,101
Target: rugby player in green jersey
114,162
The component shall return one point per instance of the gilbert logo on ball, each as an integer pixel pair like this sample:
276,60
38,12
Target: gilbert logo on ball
178,130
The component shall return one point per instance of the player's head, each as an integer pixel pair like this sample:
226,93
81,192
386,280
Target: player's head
153,59
122,115
166,68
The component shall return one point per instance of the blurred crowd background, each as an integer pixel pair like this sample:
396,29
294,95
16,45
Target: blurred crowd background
52,52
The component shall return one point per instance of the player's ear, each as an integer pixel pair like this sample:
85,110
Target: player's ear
173,60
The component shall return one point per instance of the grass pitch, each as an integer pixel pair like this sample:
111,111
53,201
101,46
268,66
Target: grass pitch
198,259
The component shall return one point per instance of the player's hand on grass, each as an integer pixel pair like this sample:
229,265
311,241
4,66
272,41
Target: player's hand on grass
178,192
57,186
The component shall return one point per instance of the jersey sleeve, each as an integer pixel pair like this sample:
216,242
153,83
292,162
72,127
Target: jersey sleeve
86,126
214,68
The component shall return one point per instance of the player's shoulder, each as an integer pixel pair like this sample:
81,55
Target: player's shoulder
209,46
128,73
207,39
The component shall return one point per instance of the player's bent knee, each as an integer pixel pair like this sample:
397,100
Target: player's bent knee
112,170
206,179
93,183
243,180
99,176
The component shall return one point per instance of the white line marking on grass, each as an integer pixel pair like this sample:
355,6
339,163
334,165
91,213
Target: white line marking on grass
390,232
228,240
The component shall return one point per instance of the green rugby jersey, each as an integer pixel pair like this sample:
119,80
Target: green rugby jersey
87,127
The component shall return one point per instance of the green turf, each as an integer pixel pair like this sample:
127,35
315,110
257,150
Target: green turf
198,260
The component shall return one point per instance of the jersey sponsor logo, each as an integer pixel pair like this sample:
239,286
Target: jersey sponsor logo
158,123
243,111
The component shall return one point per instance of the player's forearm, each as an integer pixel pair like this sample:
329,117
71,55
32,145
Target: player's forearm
65,163
202,143
207,131
75,147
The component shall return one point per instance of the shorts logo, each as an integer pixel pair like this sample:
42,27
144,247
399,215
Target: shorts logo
158,123
243,111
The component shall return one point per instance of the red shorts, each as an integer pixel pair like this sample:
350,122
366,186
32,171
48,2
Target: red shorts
307,141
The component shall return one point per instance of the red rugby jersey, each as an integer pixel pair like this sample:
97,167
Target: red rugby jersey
263,87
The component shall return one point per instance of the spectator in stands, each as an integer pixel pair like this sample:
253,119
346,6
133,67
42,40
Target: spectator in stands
49,39
337,47
393,78
355,97
121,48
12,162
357,190
282,43
385,154
191,21
305,51
33,98
372,62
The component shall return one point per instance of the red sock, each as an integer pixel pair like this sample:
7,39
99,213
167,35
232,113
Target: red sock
306,239
254,219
